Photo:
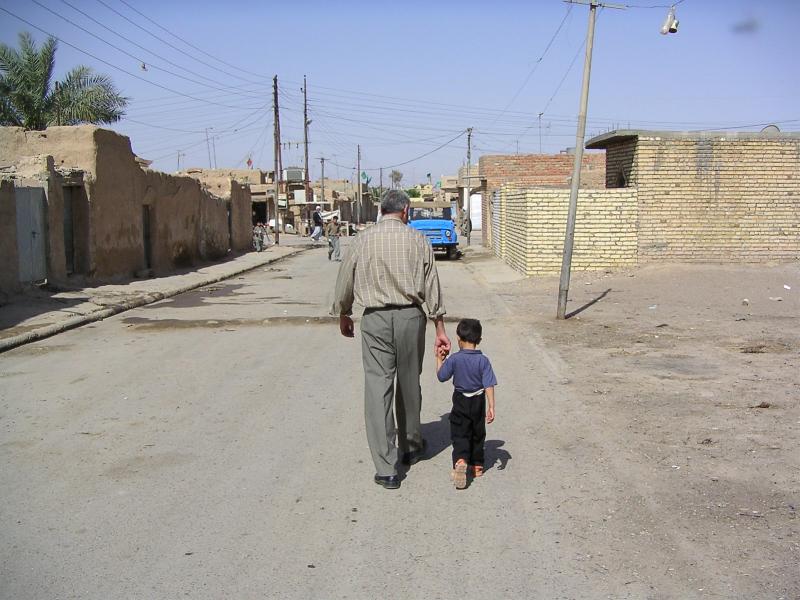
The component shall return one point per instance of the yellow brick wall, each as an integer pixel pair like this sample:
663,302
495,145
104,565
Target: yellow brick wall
534,223
717,199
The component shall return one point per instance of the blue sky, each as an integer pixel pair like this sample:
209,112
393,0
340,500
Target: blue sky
404,79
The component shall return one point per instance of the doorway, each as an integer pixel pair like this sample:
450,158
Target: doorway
31,234
147,236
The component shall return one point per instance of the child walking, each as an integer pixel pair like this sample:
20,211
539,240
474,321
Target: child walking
474,381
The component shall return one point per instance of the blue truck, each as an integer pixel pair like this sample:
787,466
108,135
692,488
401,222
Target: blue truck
434,221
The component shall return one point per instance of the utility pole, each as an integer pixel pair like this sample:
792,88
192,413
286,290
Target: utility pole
277,149
322,162
540,132
179,159
305,139
214,150
467,187
381,184
58,103
208,147
569,237
358,183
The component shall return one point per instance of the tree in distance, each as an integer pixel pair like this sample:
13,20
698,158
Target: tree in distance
396,177
413,193
30,99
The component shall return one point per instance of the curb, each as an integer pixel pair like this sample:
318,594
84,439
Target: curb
74,322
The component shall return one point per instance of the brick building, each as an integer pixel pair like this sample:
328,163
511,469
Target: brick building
532,170
668,196
709,196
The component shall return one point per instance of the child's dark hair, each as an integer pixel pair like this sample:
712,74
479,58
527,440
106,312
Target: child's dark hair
470,330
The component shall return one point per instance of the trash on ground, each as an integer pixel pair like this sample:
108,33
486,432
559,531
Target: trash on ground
762,405
776,298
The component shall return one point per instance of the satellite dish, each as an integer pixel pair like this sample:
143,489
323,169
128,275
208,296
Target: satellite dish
771,129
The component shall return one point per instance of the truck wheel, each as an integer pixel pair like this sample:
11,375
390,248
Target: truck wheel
452,252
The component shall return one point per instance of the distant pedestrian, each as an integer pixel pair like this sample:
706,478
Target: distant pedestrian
391,272
333,233
474,381
258,237
317,219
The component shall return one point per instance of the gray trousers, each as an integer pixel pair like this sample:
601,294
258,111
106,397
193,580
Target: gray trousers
392,349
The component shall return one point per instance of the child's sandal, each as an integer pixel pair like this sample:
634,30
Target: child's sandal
459,475
477,471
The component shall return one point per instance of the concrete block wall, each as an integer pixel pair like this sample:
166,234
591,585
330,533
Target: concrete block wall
535,224
717,199
534,170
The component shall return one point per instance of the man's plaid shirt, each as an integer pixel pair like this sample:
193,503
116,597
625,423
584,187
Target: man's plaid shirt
388,264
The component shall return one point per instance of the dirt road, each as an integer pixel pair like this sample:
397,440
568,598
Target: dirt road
212,445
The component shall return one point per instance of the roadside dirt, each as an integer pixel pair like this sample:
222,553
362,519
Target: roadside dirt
692,374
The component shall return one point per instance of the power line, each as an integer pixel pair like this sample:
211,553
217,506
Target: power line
105,62
535,66
219,60
447,143
163,41
125,52
88,16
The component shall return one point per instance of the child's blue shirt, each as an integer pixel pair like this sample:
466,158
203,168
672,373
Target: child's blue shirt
470,369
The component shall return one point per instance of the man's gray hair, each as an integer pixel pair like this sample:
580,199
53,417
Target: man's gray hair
394,201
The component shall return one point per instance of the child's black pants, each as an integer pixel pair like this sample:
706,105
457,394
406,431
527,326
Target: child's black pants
468,427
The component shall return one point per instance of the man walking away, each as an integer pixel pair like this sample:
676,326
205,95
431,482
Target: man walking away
332,233
317,217
390,271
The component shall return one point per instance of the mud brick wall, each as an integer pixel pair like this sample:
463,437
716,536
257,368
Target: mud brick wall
715,198
9,259
534,170
534,225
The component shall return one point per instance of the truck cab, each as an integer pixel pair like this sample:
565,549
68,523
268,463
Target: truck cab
433,220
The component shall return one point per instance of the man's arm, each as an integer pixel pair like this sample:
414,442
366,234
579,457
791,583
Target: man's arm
343,296
433,298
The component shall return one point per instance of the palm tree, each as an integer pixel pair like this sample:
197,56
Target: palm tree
396,177
29,99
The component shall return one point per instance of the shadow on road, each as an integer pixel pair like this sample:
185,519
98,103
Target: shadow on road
436,435
494,454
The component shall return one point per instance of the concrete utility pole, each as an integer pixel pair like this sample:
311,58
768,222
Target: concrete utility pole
208,147
467,203
569,238
358,183
277,149
540,132
322,162
305,139
381,183
214,150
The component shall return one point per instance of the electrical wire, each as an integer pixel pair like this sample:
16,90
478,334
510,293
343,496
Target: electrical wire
535,66
125,52
115,67
163,41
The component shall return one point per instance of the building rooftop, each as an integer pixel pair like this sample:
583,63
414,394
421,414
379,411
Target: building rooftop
613,137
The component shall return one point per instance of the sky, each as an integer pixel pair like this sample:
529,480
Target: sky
405,80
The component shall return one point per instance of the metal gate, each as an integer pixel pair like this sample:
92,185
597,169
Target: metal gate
31,231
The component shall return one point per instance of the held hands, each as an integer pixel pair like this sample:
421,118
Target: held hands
346,326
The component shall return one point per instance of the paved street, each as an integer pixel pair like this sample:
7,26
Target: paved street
212,446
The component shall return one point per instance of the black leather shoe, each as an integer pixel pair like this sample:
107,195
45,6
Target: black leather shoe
390,482
412,458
